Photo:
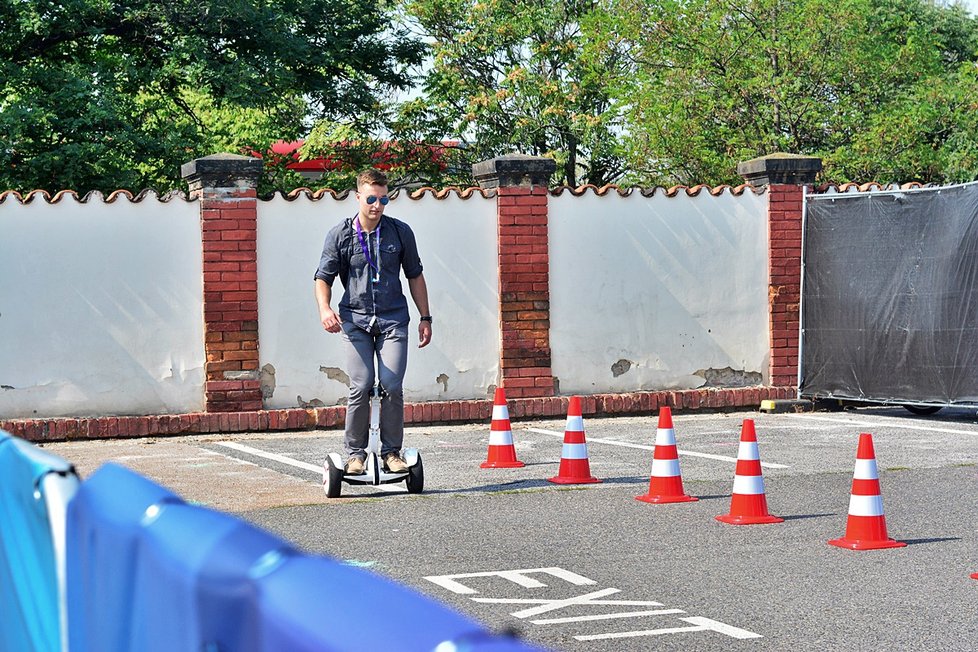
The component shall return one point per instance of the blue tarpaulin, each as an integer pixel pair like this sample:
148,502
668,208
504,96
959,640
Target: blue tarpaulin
312,604
30,604
148,572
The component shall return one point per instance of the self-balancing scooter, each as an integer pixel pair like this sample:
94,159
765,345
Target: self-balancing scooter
373,473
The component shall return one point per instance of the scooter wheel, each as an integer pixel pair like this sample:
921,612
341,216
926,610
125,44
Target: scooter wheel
415,477
332,479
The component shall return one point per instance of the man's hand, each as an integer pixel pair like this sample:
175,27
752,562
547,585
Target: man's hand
331,321
419,292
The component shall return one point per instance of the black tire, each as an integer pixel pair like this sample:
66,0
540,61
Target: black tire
922,410
374,467
415,477
333,483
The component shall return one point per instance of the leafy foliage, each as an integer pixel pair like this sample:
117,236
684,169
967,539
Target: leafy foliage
408,160
106,94
96,94
717,82
511,76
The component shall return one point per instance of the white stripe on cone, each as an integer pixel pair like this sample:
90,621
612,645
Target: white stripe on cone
665,437
574,452
575,423
748,484
665,468
500,413
748,451
500,437
866,470
865,505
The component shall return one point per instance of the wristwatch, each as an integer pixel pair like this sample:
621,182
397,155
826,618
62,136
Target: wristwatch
426,318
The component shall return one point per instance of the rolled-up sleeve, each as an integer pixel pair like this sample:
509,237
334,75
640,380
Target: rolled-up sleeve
329,261
411,261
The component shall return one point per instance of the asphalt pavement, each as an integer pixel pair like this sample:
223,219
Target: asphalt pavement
587,567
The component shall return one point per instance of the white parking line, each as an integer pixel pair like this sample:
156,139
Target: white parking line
599,440
698,625
884,424
270,456
627,614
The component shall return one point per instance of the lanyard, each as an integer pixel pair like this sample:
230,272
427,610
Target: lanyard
365,246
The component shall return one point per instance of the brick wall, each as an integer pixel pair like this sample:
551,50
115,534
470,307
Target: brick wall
786,176
226,187
524,292
594,405
228,223
784,293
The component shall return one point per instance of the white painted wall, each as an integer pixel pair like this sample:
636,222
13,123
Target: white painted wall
100,308
101,303
457,241
672,284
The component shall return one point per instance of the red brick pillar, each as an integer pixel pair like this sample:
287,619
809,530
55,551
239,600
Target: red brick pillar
522,184
786,176
225,185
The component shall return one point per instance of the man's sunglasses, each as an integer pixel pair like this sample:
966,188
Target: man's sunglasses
383,200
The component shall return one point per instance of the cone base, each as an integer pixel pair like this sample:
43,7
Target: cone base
864,544
649,498
748,520
502,465
560,480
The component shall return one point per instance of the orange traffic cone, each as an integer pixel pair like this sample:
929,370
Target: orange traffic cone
866,527
574,465
748,505
502,453
666,484
974,576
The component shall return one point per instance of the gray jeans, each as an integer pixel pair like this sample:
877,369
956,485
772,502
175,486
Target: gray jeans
390,351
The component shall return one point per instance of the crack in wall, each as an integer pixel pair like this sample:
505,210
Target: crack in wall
728,377
337,374
621,367
267,381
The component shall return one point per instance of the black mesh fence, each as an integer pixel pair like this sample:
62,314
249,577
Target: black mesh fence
889,307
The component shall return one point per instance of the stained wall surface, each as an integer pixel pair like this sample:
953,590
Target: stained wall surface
658,292
101,302
304,365
101,307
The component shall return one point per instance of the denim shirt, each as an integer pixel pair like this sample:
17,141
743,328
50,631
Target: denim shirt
368,294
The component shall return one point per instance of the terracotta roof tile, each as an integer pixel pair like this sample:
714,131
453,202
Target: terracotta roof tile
649,192
91,195
419,193
875,186
463,193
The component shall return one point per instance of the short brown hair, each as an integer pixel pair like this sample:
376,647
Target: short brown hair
371,177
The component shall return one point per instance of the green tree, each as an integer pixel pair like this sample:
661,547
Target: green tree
928,134
511,76
715,82
100,94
